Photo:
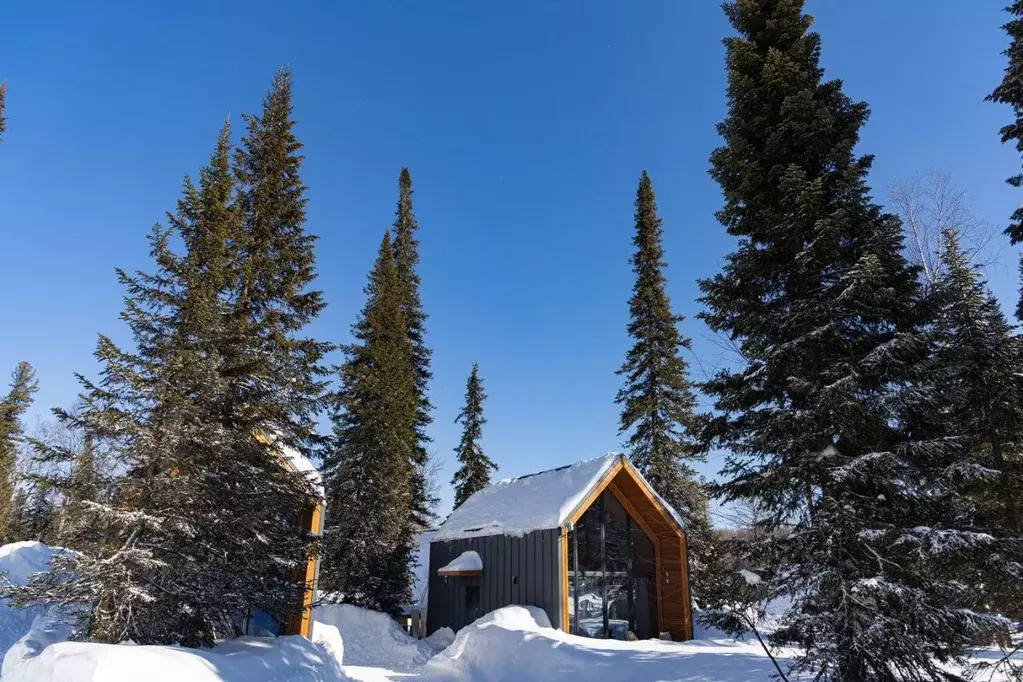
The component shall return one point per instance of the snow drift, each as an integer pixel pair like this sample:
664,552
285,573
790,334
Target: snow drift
266,659
517,643
372,639
19,561
33,646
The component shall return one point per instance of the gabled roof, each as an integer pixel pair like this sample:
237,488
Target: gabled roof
548,499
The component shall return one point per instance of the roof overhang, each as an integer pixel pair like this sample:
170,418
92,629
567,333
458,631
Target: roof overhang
465,564
625,481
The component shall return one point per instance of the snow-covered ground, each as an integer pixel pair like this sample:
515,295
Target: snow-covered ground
247,659
517,644
513,644
33,648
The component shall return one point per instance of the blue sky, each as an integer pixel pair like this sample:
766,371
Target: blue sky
525,126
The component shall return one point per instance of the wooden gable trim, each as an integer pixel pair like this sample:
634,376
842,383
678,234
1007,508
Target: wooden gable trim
649,494
597,490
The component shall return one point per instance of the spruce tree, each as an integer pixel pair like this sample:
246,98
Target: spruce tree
657,399
406,260
273,372
819,415
282,378
83,485
34,516
474,472
144,580
1010,91
201,522
977,370
12,408
368,469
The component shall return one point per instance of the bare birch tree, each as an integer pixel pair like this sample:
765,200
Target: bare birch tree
931,202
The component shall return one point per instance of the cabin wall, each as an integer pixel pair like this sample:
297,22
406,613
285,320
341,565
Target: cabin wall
522,570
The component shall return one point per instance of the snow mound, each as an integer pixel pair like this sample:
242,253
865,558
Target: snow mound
441,639
44,631
372,639
517,643
247,659
515,618
19,561
329,638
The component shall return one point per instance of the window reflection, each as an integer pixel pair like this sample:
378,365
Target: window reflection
611,592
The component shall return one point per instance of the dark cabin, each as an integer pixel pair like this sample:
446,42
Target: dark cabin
591,544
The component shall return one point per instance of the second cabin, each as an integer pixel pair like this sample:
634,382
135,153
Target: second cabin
591,544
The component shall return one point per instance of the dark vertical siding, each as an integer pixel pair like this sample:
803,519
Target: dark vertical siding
532,559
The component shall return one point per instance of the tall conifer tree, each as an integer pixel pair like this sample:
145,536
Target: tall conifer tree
406,260
280,371
147,575
977,370
657,399
368,469
474,472
819,416
203,525
12,408
1010,91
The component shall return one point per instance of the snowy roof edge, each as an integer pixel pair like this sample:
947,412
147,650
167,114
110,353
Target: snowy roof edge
548,509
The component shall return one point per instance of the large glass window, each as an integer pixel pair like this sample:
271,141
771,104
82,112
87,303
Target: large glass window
612,584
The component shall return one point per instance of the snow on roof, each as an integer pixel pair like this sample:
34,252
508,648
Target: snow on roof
466,561
299,463
516,506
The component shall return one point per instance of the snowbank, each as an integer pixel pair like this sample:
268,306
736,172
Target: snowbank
247,659
441,639
328,637
20,560
517,643
33,646
372,639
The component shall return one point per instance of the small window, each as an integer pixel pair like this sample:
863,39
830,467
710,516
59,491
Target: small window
472,601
